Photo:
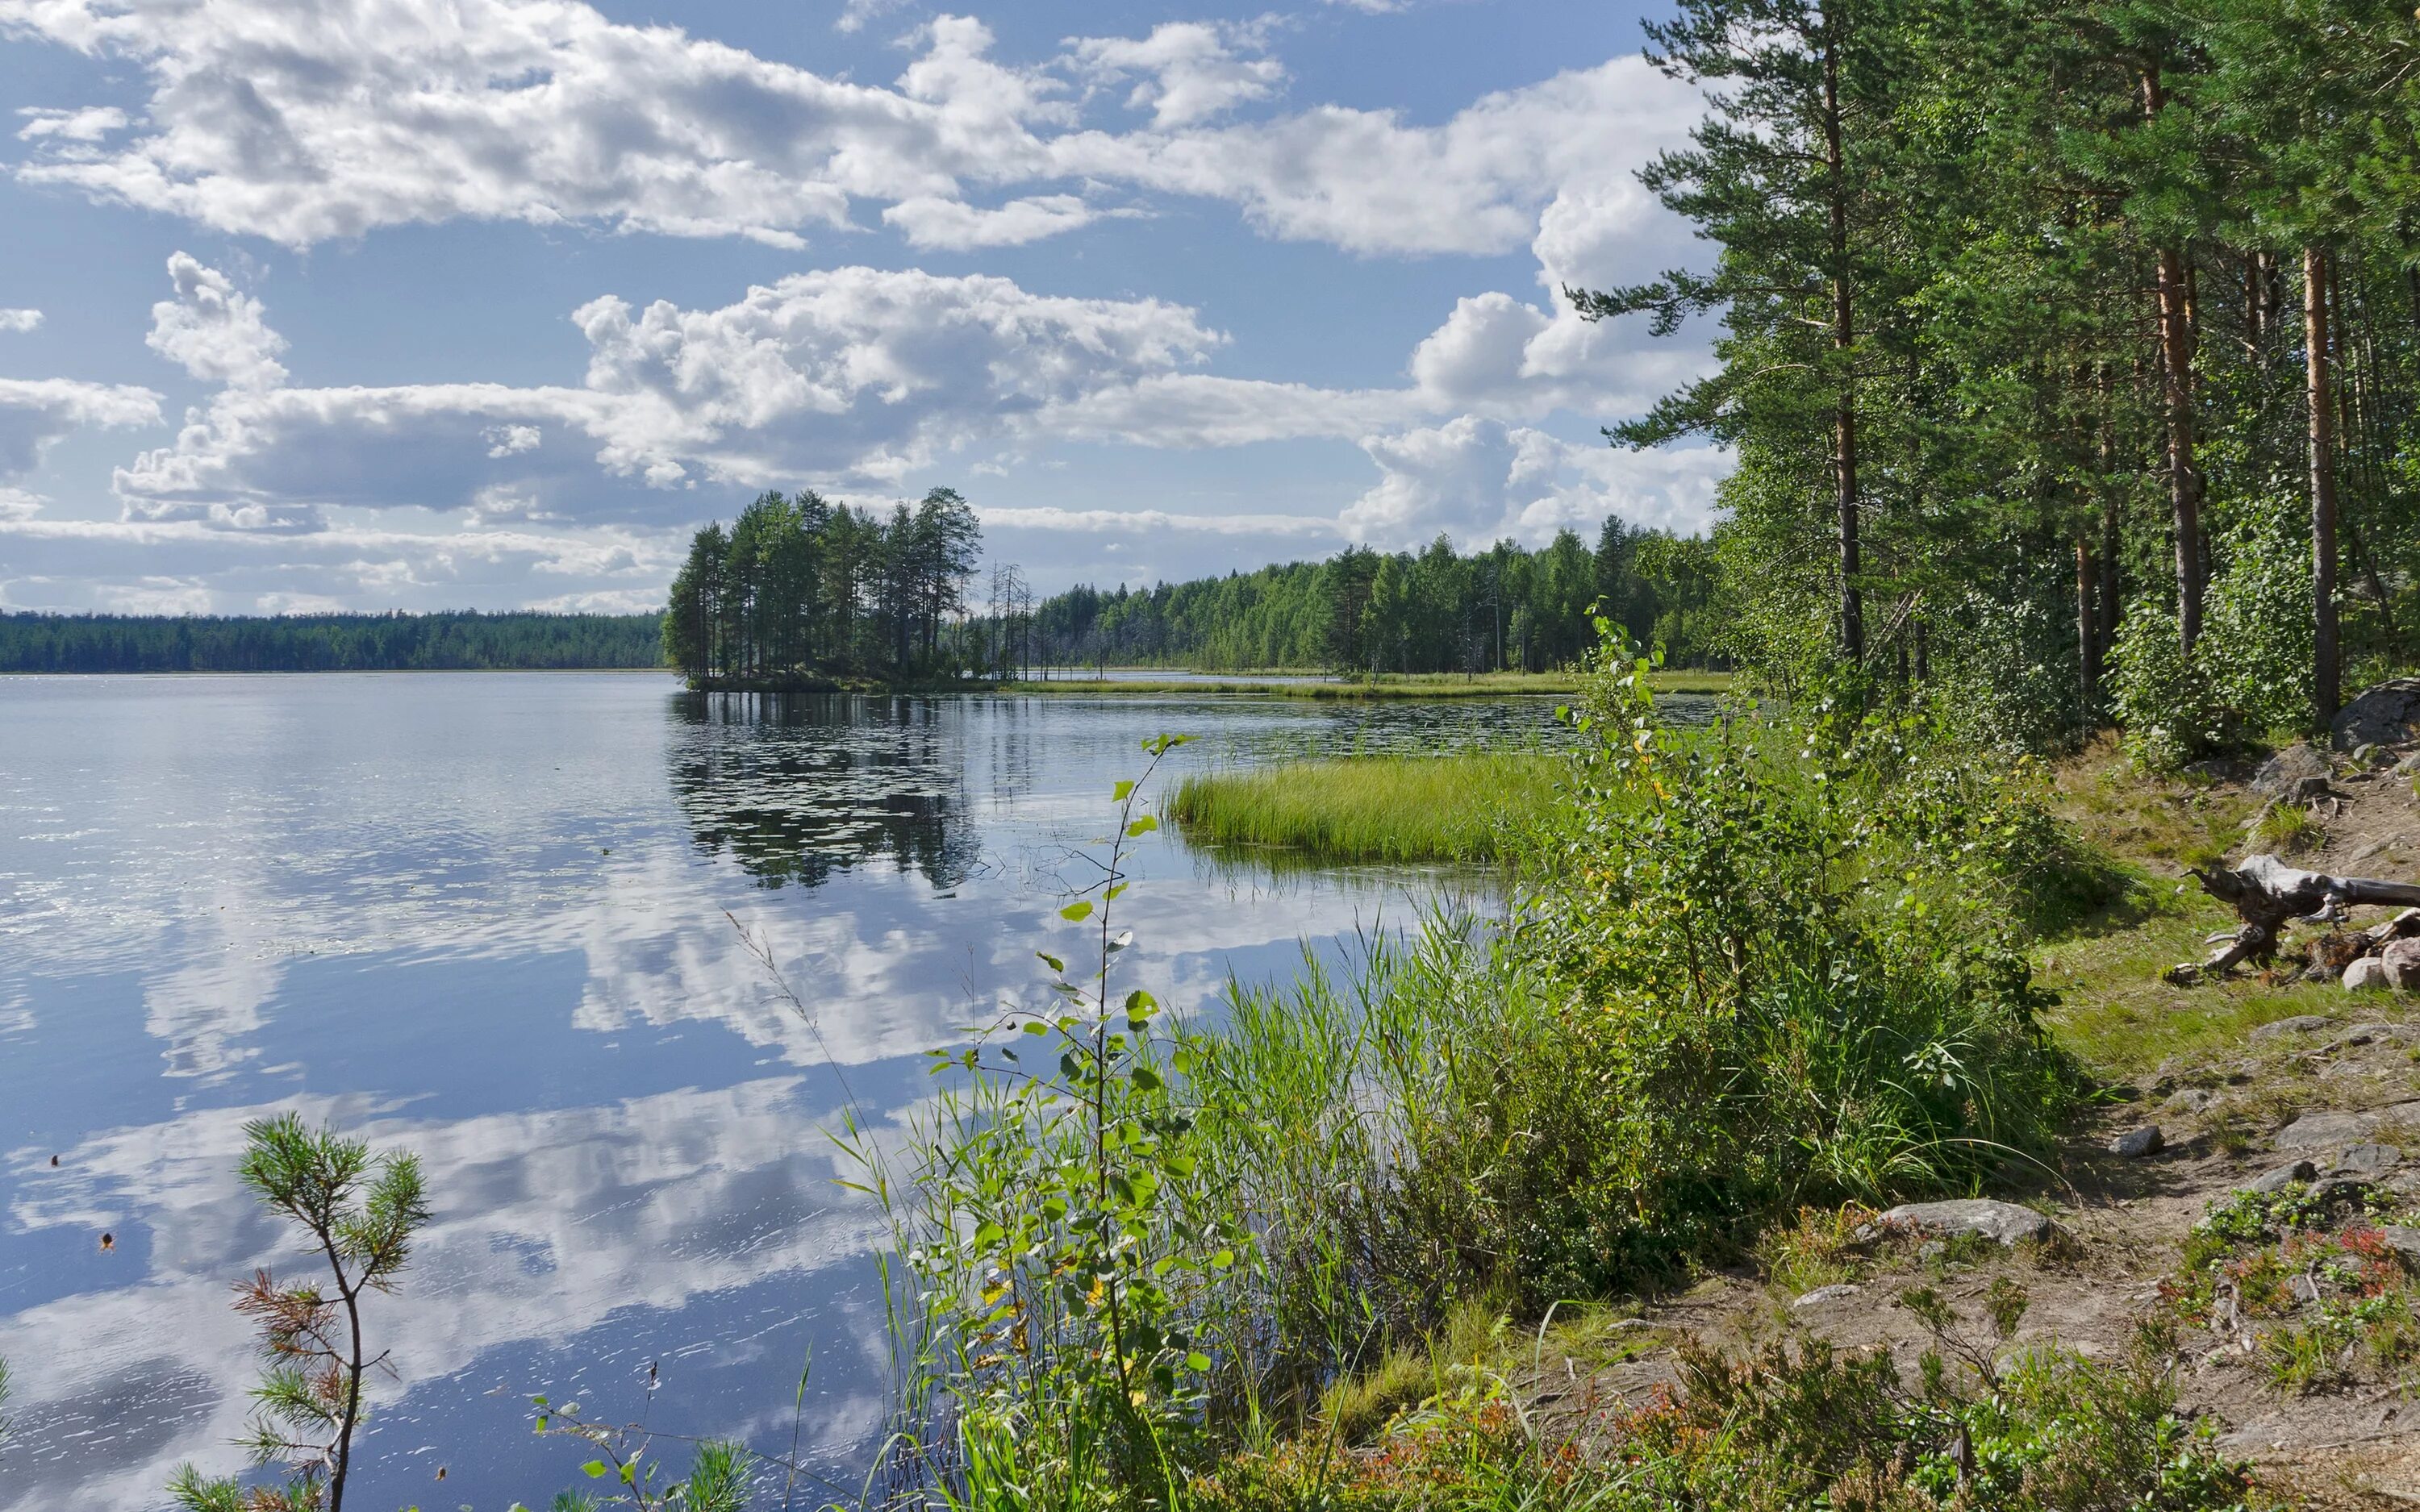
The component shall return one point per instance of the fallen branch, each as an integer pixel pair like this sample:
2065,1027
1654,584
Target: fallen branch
2267,894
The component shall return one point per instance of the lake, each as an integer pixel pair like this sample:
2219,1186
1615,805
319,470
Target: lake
497,919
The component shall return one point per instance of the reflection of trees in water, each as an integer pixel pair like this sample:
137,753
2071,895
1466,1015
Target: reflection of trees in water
798,786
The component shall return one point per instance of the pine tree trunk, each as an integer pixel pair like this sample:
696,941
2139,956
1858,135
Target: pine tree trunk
2176,362
1845,420
2326,674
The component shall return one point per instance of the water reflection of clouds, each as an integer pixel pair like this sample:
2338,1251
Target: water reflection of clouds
546,1223
279,876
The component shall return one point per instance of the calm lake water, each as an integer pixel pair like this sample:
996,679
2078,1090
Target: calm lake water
483,916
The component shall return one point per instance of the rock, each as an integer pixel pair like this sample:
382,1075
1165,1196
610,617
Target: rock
2326,1131
2369,757
2312,789
2401,959
2384,715
2282,773
2003,1223
2270,1182
2405,1242
2190,1101
2135,1143
2365,975
2362,1034
2366,1160
2408,765
1821,1296
2346,1191
2298,1024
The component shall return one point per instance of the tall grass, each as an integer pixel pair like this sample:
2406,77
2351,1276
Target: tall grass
1463,807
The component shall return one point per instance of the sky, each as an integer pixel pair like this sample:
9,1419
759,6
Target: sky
372,304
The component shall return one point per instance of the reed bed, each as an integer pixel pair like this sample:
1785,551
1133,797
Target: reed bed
1380,808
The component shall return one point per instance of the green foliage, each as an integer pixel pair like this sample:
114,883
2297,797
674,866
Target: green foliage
2256,642
721,1475
325,643
2165,699
359,1212
1062,1235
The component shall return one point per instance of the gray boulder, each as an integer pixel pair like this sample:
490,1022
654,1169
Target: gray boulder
2326,1131
2362,1034
2366,1160
2270,1182
2384,714
2190,1099
2002,1223
2283,773
2135,1143
2366,974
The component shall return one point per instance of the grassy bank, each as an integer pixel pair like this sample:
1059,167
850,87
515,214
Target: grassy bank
1463,807
1419,685
1298,1260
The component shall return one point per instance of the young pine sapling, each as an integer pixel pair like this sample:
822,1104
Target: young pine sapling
360,1213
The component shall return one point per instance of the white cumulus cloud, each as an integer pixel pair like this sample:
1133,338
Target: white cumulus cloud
35,412
1478,480
19,321
215,330
88,124
1184,70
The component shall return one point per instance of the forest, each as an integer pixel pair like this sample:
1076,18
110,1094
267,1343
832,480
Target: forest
799,589
2067,350
452,641
1362,611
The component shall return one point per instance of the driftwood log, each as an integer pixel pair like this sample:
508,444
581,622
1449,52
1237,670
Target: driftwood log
2267,894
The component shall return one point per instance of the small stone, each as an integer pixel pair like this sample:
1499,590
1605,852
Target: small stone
1837,1291
2003,1223
2270,1182
2365,975
2298,1024
2190,1101
2136,1143
2326,1131
2366,1160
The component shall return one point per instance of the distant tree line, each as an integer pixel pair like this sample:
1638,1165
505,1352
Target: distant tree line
1435,610
799,588
449,641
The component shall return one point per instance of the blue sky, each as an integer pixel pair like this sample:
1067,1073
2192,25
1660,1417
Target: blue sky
426,304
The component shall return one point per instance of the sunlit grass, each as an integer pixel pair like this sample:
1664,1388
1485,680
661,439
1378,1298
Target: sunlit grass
1405,808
